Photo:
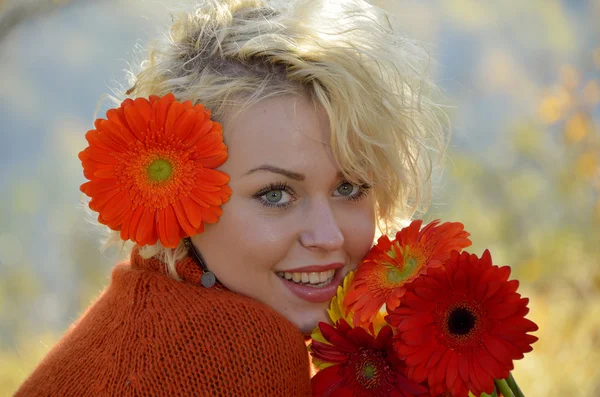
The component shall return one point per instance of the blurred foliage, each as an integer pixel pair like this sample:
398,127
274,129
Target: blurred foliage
525,184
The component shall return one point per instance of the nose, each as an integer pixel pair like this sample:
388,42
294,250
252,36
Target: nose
322,230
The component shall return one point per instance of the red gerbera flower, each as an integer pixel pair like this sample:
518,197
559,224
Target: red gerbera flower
150,170
364,365
460,327
381,276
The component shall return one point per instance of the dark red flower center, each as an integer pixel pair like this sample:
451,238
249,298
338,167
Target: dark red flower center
461,321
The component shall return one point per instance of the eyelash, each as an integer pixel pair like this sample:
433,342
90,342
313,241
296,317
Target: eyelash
364,189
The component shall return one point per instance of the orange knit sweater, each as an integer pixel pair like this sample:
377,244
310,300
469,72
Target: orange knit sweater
150,335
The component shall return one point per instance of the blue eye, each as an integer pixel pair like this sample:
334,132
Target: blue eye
351,191
276,196
346,189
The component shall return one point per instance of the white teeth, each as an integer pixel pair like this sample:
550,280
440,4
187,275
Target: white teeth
323,276
313,279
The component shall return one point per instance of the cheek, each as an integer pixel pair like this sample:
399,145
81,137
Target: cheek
243,246
359,233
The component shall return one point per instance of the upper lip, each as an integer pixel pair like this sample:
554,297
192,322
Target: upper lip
316,268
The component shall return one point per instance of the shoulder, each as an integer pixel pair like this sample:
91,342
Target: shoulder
150,332
149,291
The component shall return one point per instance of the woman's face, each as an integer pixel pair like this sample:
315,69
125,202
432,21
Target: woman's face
293,227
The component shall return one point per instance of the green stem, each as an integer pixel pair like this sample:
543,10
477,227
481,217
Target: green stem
494,394
513,386
504,388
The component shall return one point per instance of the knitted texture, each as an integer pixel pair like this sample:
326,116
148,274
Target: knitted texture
150,335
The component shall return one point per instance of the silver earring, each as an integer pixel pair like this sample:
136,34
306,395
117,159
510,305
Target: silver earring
208,278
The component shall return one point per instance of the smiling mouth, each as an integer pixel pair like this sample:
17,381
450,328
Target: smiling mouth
309,279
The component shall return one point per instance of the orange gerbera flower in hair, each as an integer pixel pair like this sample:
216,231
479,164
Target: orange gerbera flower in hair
150,170
390,265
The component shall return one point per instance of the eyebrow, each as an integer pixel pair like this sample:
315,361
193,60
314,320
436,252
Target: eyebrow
271,168
287,173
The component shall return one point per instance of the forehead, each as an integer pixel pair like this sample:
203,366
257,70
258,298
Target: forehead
288,132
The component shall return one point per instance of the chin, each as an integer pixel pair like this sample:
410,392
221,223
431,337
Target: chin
307,324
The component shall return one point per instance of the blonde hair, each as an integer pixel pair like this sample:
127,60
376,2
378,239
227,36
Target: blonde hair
343,55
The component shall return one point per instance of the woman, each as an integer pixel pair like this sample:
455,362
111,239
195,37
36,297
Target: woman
262,150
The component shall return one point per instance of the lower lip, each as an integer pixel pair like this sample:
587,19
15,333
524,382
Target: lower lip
315,295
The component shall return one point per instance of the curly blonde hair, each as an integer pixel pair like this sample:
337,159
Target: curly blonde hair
343,55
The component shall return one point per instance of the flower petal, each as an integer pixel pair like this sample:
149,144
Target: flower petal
131,224
136,121
173,114
416,321
332,336
326,381
183,220
211,215
184,124
172,227
441,368
146,227
496,348
452,372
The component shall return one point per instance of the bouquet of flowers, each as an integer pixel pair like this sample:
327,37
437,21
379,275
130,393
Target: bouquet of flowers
420,317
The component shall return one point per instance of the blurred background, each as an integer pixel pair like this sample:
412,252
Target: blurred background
522,85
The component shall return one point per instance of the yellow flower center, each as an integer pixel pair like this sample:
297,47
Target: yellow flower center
397,275
160,170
